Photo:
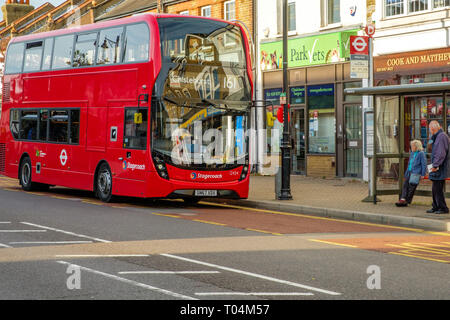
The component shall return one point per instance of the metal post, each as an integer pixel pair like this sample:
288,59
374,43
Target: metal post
285,193
372,160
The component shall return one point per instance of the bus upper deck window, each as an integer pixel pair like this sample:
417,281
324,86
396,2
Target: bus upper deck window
14,58
33,56
136,43
110,46
84,53
62,55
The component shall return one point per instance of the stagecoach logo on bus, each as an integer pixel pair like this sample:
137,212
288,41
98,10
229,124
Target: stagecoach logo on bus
205,176
132,166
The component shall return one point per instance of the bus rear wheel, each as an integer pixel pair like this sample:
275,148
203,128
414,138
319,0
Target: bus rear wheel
104,183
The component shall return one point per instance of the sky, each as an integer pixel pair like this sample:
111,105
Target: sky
34,3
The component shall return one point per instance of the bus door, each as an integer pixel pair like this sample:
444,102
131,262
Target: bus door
133,159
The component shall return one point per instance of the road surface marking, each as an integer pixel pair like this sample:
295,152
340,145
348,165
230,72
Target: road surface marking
312,217
418,257
333,243
254,294
251,274
17,231
51,242
4,245
99,255
168,272
165,215
209,222
131,282
65,232
262,231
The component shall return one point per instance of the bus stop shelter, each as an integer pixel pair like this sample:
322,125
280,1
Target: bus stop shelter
401,114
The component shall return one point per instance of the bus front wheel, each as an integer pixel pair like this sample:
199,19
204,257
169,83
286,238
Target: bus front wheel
25,177
104,183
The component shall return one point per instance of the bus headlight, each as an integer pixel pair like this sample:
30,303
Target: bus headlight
161,168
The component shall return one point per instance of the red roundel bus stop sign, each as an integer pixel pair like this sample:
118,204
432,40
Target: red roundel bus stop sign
359,45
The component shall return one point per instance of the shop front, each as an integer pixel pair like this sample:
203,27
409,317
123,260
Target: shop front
325,124
419,67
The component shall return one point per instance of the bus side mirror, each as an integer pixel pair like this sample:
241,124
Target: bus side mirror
138,118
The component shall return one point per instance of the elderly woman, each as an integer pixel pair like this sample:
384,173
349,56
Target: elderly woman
417,167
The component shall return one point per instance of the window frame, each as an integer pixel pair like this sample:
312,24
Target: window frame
202,11
38,122
406,12
76,41
125,128
225,10
75,34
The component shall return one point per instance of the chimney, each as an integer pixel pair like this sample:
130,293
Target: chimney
15,9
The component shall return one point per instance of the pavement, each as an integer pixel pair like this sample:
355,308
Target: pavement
342,198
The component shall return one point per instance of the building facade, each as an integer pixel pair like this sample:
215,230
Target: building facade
325,125
411,46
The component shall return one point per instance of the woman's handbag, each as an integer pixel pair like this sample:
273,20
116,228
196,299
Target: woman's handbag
414,178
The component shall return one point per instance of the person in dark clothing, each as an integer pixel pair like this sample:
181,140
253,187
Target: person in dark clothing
438,172
417,168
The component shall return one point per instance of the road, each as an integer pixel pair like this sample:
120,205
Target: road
65,244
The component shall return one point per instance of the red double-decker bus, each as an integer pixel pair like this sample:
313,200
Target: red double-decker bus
152,106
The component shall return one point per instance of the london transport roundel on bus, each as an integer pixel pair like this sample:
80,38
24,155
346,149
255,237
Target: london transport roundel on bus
359,45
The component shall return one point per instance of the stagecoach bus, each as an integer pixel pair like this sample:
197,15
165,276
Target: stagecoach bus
151,106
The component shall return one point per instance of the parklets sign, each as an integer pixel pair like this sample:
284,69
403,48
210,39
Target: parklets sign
314,50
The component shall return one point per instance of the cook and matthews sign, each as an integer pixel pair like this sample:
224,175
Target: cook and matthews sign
314,50
416,62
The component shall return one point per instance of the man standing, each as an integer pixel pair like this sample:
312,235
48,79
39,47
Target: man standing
438,173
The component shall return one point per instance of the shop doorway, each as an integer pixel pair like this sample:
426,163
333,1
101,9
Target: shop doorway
353,146
298,131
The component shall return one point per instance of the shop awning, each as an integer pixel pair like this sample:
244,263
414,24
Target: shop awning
431,87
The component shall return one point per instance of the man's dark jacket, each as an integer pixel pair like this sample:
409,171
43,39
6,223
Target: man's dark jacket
439,155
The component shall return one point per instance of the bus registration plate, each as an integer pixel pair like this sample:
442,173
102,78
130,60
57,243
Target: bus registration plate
206,193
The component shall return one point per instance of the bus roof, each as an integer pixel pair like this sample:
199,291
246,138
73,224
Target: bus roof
111,23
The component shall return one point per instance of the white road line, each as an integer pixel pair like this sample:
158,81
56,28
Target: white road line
131,282
4,246
17,231
251,274
100,255
254,294
51,242
168,272
66,232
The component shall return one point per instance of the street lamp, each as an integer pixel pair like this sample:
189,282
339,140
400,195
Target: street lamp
285,192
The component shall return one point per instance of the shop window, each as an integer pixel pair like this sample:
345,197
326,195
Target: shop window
419,111
135,135
352,98
322,121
